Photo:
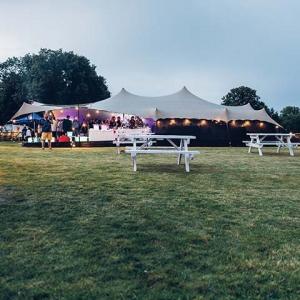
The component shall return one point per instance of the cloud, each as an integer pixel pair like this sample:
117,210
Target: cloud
156,47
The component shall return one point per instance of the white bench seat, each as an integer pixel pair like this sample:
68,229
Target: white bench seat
157,151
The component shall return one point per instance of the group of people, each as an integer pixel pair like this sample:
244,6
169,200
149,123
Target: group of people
117,122
49,127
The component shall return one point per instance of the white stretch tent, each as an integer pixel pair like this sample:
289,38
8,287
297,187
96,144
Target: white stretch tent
27,108
182,104
35,107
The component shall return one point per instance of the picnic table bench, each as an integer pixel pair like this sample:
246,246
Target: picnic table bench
147,148
280,140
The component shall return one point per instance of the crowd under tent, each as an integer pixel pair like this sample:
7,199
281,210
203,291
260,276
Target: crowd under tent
178,113
185,113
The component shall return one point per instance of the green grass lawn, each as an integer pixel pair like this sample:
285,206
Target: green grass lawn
79,224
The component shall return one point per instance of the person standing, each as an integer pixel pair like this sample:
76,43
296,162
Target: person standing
76,126
54,127
46,131
67,125
24,129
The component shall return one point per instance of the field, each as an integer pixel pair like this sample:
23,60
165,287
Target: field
79,224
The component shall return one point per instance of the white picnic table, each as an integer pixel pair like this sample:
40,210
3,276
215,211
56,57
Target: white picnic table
280,140
126,138
147,147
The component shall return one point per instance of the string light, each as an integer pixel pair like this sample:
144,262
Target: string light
276,126
61,110
172,122
97,111
186,122
203,123
261,124
246,124
158,123
233,123
88,115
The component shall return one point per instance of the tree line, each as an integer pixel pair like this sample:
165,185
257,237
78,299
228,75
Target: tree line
58,77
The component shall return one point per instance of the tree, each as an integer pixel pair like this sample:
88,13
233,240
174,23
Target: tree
243,95
12,88
290,118
51,76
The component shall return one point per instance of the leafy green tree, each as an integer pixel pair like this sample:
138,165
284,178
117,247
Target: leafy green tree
51,76
290,118
12,88
243,95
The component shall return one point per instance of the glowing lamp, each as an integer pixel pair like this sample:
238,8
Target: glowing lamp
276,126
158,123
233,123
61,110
172,122
186,122
14,121
88,115
77,108
261,124
203,122
246,124
97,111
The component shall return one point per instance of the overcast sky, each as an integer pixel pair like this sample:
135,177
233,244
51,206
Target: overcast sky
154,47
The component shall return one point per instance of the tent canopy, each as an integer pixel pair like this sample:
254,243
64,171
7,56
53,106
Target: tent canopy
182,104
27,108
35,107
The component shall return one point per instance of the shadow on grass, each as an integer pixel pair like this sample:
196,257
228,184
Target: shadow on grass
158,168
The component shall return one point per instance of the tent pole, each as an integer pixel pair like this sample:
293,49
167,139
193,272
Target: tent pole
78,124
228,133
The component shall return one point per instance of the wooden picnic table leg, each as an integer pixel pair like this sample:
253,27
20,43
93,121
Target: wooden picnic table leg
278,148
118,145
259,146
186,156
179,155
252,139
290,146
133,155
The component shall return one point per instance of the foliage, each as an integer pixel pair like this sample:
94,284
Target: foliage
51,76
290,118
95,230
243,95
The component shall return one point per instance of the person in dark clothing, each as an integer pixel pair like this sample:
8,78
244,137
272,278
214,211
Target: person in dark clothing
46,131
67,125
119,122
112,122
24,133
132,124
